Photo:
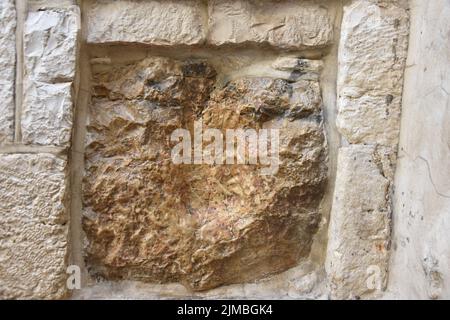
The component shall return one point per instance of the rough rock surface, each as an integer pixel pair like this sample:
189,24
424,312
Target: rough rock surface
50,38
48,116
359,234
372,55
285,24
33,229
149,219
7,69
50,45
157,22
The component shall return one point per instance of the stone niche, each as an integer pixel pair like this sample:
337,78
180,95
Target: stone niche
148,219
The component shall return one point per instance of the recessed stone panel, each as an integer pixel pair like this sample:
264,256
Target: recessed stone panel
147,218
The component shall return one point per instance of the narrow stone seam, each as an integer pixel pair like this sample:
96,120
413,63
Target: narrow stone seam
21,9
21,148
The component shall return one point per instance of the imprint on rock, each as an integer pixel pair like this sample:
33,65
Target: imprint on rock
149,219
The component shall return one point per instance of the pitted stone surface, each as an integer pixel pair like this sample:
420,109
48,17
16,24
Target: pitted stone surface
284,24
33,226
156,22
359,235
372,55
7,69
149,219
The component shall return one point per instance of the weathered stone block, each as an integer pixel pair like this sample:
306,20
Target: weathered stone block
372,54
7,69
359,234
149,219
47,115
284,24
50,43
156,22
33,226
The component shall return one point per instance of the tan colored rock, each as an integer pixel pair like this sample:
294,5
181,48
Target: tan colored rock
50,43
284,24
156,22
372,54
359,233
7,69
149,219
33,226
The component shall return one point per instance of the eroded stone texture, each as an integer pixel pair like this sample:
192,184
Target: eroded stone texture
50,39
372,56
157,22
48,117
50,48
33,229
359,234
284,24
149,219
7,69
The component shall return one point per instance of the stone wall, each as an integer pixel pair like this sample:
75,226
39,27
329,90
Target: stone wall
38,62
93,90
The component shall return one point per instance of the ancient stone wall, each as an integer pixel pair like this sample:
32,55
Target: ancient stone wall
96,95
38,57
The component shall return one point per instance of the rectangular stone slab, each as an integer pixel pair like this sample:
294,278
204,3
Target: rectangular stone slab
359,233
156,22
33,226
372,57
283,24
7,69
50,49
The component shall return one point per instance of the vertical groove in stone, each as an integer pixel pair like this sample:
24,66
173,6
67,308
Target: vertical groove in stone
21,9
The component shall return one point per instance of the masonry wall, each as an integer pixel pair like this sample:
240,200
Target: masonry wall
91,91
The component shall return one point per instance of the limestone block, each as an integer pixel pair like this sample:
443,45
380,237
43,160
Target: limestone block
50,43
156,22
147,218
359,234
284,24
372,54
47,115
7,69
33,226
